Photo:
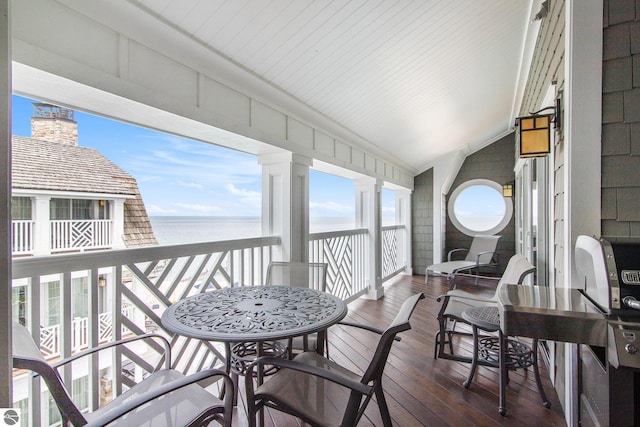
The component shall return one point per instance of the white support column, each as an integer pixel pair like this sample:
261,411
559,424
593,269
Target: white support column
117,218
368,205
42,225
403,217
285,203
582,134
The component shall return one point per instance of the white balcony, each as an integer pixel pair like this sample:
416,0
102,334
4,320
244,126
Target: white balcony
71,235
66,236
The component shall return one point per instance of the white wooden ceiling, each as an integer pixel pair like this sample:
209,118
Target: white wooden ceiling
416,78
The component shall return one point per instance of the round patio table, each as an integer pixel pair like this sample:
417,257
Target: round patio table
254,313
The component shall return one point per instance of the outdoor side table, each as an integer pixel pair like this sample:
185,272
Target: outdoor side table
497,351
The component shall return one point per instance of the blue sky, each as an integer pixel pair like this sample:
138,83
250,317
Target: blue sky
178,176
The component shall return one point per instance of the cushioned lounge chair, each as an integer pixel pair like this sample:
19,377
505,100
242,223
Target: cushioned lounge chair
482,253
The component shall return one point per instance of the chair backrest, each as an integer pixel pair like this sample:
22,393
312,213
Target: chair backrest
517,269
400,324
482,244
26,355
297,274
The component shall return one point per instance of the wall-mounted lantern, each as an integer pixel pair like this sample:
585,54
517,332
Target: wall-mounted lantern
535,131
507,189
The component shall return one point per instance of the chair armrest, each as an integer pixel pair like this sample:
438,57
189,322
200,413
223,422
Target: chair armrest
496,279
484,253
452,251
366,328
463,297
454,276
130,405
332,376
167,349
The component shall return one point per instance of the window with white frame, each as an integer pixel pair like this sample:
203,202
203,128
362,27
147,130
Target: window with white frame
478,207
20,208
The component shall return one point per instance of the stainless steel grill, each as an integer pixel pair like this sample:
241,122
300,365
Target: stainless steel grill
610,378
610,269
603,316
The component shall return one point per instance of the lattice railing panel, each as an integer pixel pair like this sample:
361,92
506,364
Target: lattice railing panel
344,253
392,250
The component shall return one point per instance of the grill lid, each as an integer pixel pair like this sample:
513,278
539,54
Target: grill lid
596,267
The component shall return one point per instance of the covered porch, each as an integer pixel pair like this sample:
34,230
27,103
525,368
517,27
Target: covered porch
141,63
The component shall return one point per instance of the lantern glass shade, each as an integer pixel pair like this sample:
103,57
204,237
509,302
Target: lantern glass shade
507,190
535,136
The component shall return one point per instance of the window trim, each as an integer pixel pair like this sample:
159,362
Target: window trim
508,202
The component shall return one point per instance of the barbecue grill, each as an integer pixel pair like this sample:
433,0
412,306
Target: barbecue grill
603,316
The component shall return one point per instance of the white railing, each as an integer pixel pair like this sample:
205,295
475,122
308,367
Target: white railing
345,253
393,256
50,335
142,282
22,237
81,234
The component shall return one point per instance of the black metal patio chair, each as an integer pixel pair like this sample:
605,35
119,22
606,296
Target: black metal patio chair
320,391
165,398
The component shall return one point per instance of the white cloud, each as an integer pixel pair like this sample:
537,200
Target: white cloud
244,194
155,209
331,206
198,208
191,185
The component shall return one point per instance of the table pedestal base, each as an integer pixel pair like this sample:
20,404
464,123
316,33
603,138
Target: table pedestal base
500,351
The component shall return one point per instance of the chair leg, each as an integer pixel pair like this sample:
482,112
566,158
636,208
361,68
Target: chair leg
502,363
474,362
545,402
382,404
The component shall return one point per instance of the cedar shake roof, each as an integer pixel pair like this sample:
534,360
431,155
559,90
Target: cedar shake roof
45,165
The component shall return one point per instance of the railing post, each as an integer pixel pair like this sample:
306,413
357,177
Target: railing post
403,217
117,230
42,227
368,204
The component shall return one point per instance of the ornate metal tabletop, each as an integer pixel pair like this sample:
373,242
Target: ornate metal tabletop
254,313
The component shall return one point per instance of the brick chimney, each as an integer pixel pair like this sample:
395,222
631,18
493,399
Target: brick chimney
53,123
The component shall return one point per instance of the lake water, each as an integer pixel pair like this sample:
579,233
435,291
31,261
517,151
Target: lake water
174,230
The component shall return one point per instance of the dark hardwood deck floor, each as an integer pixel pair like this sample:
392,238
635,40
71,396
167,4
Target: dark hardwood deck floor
420,390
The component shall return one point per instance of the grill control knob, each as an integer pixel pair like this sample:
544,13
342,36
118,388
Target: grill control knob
631,349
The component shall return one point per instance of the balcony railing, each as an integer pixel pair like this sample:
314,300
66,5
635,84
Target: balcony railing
393,254
81,234
50,335
66,235
141,283
345,253
22,238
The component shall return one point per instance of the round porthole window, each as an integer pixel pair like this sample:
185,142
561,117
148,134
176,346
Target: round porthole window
478,207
